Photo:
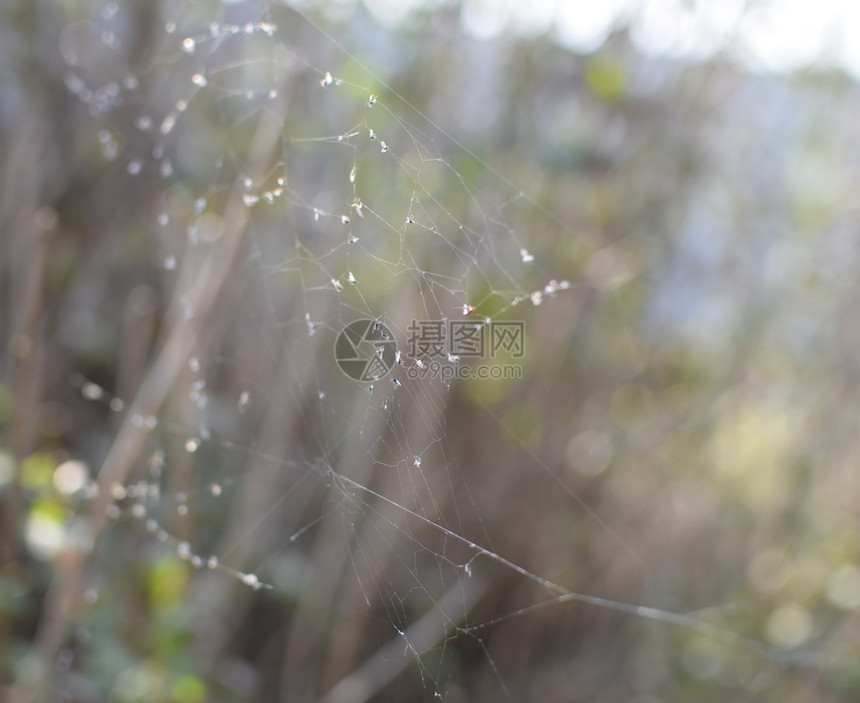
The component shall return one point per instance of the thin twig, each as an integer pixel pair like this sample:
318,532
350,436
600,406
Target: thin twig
375,673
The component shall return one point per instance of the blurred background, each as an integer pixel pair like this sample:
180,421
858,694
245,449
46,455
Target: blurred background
197,505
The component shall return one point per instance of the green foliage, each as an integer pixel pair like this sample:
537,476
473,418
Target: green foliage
167,583
605,77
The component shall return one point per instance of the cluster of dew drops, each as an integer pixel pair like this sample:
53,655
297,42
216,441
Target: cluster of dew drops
133,499
106,97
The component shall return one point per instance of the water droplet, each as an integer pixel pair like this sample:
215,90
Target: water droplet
467,309
251,580
525,256
536,298
134,167
110,149
170,263
168,123
326,80
417,461
188,45
191,445
212,562
138,510
215,489
170,27
182,509
199,79
91,391
383,147
110,39
117,404
143,123
371,101
243,402
183,549
117,490
344,219
338,286
352,174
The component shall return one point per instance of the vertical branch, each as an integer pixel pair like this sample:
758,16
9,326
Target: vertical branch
29,227
130,440
368,679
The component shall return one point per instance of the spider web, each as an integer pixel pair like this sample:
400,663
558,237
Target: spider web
291,191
